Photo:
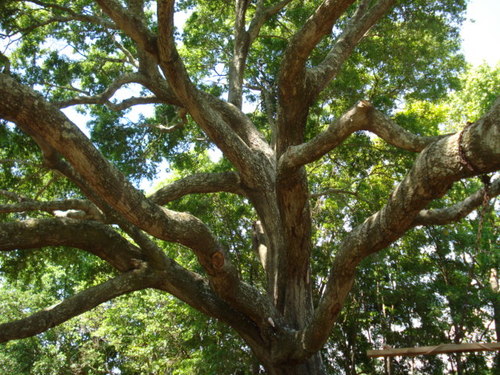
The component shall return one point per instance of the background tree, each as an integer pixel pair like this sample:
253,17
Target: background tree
304,183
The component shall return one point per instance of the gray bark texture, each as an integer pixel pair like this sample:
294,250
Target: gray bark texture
282,326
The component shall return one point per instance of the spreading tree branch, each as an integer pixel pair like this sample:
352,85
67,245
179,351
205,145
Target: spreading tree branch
79,303
157,259
198,183
397,136
319,24
337,132
85,209
52,128
191,288
294,96
170,60
107,244
132,24
360,117
133,19
299,86
119,106
243,39
364,18
432,175
72,15
90,236
456,212
104,97
232,131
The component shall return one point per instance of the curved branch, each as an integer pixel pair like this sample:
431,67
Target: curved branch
103,98
155,256
397,136
294,96
432,175
361,22
229,128
305,40
27,30
191,288
354,119
298,86
170,60
86,209
196,291
132,24
119,106
225,124
102,241
199,183
79,303
90,236
130,21
130,102
77,16
360,117
447,215
243,39
129,57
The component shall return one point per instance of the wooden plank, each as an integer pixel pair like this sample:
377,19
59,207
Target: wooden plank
431,350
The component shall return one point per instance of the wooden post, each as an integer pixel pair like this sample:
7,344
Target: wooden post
388,366
431,350
388,362
388,353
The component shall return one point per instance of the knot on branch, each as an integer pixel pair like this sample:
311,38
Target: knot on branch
365,104
365,109
217,260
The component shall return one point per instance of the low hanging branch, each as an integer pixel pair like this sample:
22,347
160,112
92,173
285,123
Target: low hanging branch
41,321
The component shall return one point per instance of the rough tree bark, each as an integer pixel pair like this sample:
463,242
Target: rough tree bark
283,327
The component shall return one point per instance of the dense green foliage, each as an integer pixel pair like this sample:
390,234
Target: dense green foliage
432,286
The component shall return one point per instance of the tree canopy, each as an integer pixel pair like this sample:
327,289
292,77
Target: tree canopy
293,147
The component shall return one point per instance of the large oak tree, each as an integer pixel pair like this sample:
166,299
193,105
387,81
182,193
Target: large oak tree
321,73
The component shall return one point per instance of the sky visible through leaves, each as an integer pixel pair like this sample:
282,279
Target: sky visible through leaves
481,32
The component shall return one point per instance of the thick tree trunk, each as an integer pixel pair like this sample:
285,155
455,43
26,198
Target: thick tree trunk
314,366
